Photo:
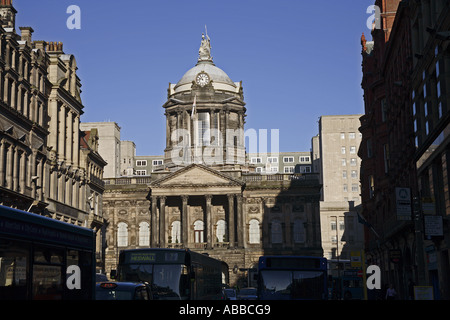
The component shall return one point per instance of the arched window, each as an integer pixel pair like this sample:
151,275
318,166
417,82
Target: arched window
122,234
144,234
198,231
176,232
221,231
277,236
299,231
254,232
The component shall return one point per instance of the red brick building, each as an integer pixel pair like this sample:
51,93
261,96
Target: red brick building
387,148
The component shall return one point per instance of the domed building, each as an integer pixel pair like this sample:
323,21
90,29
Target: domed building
205,196
205,114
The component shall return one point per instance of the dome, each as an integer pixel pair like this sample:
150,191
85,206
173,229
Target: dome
220,79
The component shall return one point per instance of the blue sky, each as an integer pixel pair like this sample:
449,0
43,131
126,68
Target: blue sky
298,59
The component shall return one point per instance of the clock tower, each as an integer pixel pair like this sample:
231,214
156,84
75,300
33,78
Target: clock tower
205,117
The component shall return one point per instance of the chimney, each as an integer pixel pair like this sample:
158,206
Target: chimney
7,14
54,46
27,32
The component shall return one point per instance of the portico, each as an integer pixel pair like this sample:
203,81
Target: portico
196,207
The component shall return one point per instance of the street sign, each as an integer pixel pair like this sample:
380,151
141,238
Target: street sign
433,226
403,202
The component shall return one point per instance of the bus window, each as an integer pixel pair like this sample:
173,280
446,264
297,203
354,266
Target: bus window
48,274
13,270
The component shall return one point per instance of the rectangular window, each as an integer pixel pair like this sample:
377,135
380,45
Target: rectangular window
289,169
141,172
305,159
272,160
353,161
255,160
352,150
141,163
355,188
157,162
344,162
345,188
259,169
288,159
354,174
352,135
342,135
305,169
344,174
342,150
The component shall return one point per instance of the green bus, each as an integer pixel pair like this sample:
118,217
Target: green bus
173,274
44,259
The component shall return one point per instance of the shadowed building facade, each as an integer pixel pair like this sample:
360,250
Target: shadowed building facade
205,196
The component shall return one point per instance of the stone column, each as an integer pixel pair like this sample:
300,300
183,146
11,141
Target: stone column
231,220
62,133
162,221
184,221
15,168
154,236
2,163
209,223
240,220
76,140
69,139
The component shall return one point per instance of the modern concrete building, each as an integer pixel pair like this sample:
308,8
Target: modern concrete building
335,149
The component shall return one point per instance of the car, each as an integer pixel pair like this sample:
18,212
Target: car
247,294
122,291
99,277
229,294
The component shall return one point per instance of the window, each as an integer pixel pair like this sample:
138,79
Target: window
289,169
352,135
198,231
354,174
256,160
157,162
203,129
341,226
259,169
305,159
276,232
355,188
254,232
344,162
344,174
345,188
353,161
299,231
342,150
176,232
141,163
273,169
333,225
144,234
352,150
272,160
122,234
141,172
288,159
342,135
221,231
305,169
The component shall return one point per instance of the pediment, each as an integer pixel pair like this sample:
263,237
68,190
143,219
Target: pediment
196,175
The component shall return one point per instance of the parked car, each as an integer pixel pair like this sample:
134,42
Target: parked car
247,294
122,291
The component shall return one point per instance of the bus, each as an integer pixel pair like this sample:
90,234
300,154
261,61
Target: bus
39,256
173,274
292,278
344,281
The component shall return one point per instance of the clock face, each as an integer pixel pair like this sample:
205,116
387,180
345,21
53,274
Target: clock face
202,79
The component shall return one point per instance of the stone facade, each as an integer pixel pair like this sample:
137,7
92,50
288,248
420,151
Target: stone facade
44,169
204,196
